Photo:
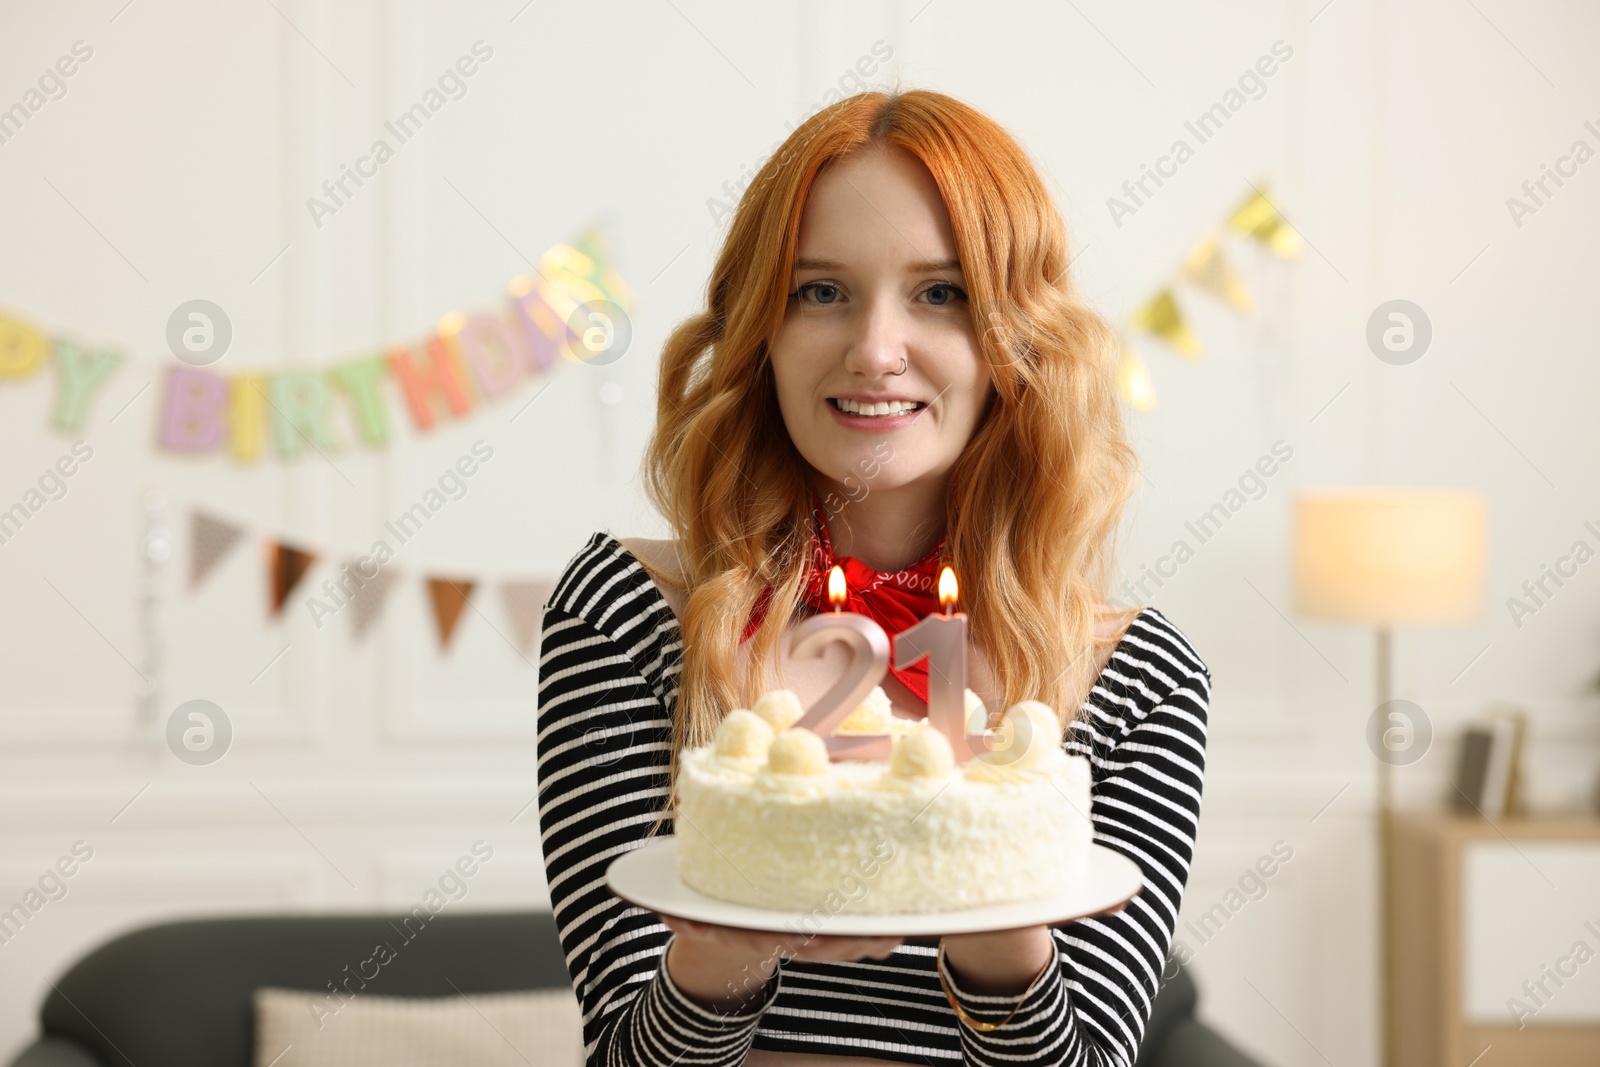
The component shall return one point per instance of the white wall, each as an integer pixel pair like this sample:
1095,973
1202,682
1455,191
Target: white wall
178,165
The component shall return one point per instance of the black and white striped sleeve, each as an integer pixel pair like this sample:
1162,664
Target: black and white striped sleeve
1145,738
603,745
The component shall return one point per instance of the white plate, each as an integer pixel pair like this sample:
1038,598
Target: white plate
648,877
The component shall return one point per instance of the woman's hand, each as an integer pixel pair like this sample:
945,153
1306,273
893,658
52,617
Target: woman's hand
999,963
724,968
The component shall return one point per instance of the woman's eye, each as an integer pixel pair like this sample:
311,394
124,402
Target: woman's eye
819,287
948,293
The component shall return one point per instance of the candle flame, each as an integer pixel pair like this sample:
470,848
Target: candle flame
836,589
947,589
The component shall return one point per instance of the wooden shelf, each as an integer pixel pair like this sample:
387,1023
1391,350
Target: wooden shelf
1425,959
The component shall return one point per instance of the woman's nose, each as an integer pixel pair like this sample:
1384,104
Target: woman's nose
880,342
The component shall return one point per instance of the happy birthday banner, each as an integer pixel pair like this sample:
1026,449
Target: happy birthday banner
467,361
1206,268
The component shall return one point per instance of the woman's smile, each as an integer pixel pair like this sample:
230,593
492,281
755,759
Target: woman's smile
875,415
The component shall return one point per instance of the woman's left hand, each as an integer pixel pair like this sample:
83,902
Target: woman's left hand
999,963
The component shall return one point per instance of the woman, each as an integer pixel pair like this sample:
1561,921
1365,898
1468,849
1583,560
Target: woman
894,371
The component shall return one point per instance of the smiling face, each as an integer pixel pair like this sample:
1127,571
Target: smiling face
877,287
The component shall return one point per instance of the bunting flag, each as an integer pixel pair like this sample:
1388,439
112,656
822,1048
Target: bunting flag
449,598
1133,380
524,600
1163,318
210,540
363,584
1258,218
469,360
287,565
368,597
1208,268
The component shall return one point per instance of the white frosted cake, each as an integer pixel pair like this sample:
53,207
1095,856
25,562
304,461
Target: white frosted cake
765,819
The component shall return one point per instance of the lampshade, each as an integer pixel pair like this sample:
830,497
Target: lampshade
1390,556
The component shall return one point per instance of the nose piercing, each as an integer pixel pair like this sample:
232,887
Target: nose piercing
903,365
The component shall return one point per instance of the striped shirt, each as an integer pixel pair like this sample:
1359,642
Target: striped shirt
609,660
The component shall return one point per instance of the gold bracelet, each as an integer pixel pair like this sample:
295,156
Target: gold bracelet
939,965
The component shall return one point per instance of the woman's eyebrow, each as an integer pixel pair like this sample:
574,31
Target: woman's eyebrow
937,265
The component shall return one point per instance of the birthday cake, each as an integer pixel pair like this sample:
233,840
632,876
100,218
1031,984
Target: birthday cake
766,819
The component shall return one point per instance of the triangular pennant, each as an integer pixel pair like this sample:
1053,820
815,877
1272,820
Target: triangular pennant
449,597
1162,317
525,599
209,541
1208,268
1133,380
1258,218
287,565
367,599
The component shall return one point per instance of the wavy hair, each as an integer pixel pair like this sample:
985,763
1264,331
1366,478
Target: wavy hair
1034,499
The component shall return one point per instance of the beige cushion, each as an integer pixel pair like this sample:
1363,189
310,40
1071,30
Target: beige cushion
297,1028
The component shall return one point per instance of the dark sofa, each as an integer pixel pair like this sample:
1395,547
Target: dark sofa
179,994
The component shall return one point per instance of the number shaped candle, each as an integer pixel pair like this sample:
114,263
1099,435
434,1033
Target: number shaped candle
943,639
869,661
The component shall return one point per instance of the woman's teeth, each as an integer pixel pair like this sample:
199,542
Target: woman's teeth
888,407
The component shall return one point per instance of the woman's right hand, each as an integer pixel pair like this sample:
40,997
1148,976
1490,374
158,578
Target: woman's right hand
725,968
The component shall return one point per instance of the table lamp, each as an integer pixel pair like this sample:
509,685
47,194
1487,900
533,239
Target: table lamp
1387,557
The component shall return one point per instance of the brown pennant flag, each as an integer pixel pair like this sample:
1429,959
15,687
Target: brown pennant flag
210,539
367,599
449,597
524,599
287,565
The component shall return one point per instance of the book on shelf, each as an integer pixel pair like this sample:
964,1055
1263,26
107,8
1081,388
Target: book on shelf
1489,772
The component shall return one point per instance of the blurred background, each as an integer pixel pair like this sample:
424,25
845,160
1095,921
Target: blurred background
228,370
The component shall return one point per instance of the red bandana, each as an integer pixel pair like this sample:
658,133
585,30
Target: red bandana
895,600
